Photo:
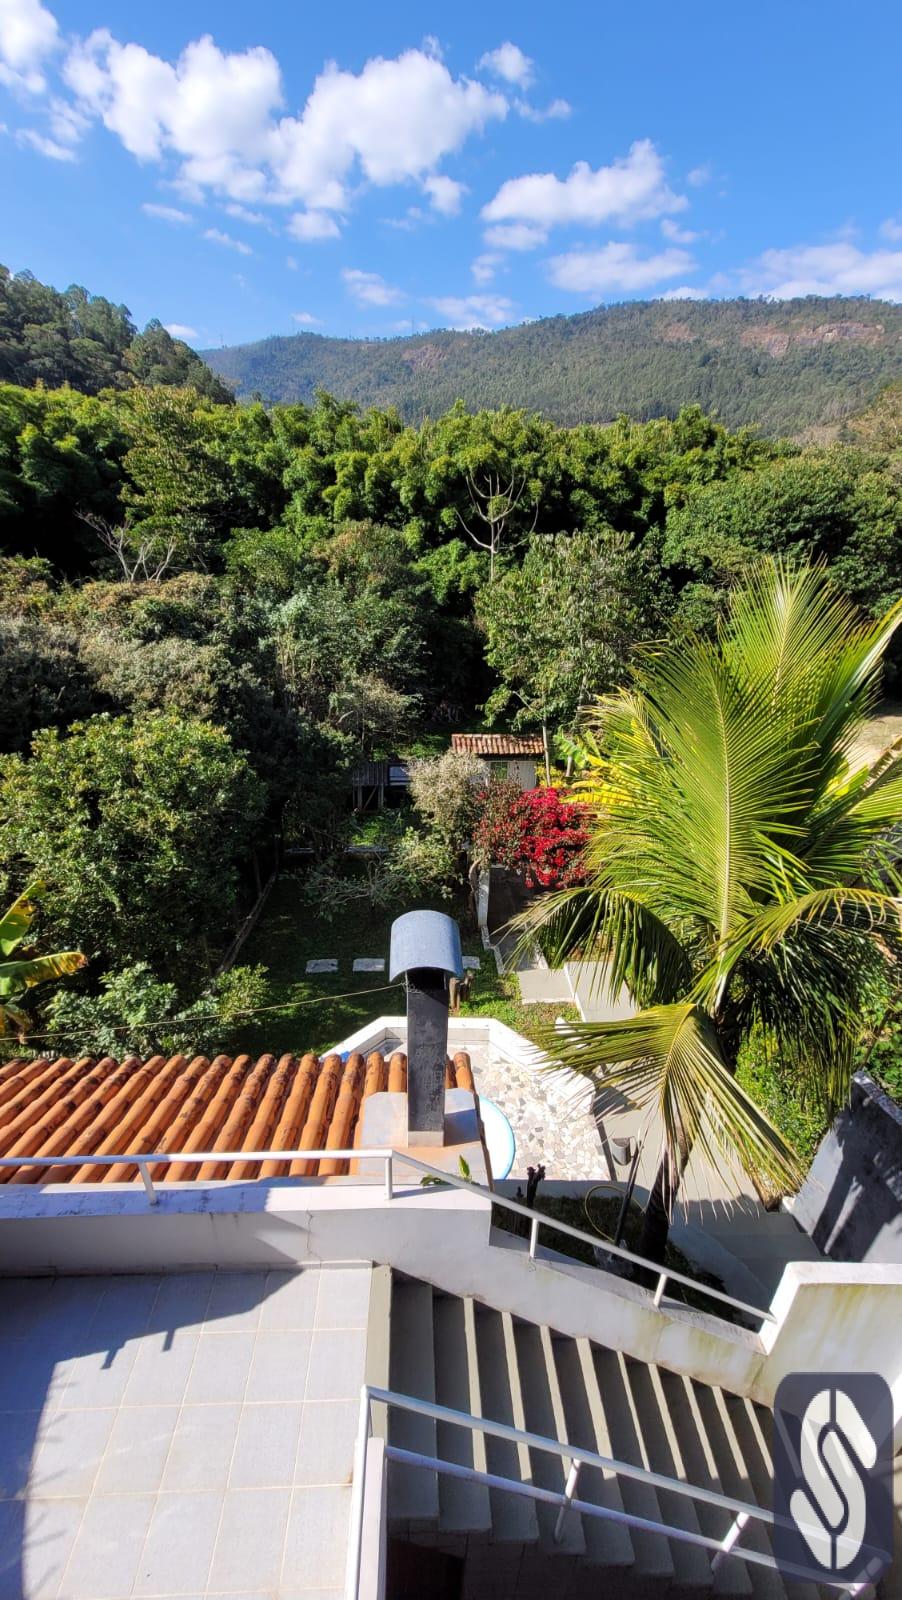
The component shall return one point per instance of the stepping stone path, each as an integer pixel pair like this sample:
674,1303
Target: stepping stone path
472,963
322,966
368,964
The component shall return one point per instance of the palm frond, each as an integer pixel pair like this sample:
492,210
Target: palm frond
667,1061
588,922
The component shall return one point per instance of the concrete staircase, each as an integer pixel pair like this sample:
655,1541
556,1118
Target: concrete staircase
466,1355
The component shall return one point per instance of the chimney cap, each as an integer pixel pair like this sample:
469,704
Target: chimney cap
425,939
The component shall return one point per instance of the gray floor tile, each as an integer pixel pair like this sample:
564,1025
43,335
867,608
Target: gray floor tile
251,1539
125,1306
35,1543
162,1368
203,1442
99,1379
24,1305
180,1542
317,1540
326,1444
136,1450
279,1367
221,1365
32,1375
266,1448
235,1300
70,1454
344,1297
104,1560
336,1364
20,1433
182,1301
290,1299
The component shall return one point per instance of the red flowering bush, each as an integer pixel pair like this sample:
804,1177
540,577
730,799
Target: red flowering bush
535,832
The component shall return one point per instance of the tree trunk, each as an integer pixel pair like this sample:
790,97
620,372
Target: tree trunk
658,1211
547,750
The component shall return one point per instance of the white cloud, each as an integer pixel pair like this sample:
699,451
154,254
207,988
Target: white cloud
291,263
700,175
684,292
474,310
555,111
220,116
306,319
515,236
616,266
510,63
215,236
254,219
165,213
827,269
892,228
44,146
677,235
180,330
312,226
369,289
485,266
632,189
29,33
445,194
397,119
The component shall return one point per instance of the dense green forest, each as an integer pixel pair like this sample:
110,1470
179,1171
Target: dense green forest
210,612
783,367
82,339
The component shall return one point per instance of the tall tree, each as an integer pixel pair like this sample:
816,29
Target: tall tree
739,874
563,625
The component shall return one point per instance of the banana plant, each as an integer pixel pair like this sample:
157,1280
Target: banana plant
26,971
741,877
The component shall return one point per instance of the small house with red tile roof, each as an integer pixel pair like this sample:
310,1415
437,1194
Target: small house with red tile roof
509,755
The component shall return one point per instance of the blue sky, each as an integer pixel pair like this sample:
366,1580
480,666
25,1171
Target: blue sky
243,170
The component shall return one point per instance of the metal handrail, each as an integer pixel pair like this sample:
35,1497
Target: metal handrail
144,1160
566,1499
538,1219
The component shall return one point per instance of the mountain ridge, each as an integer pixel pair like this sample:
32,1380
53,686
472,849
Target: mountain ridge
781,365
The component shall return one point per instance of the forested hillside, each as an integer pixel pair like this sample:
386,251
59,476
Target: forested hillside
781,366
82,339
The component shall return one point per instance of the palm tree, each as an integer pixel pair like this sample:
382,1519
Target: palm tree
740,873
24,973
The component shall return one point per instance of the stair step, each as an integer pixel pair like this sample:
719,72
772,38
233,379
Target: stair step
678,1395
412,1491
753,1426
463,1506
607,1543
734,1474
652,1550
691,1563
513,1516
545,1414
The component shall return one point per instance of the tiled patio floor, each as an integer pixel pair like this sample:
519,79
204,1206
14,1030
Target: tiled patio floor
186,1435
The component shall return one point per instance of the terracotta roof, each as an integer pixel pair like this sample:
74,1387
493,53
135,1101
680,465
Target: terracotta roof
107,1107
498,744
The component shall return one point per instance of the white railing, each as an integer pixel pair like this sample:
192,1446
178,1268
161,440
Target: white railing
145,1160
742,1511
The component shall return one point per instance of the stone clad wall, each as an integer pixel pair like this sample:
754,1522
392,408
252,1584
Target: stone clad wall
851,1200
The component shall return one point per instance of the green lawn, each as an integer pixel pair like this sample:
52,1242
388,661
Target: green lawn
321,1010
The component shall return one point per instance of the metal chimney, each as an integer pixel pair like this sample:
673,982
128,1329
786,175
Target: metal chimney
425,948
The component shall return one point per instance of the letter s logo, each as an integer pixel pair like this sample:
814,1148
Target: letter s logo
835,1448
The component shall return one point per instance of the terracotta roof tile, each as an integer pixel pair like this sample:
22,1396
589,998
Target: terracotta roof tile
497,744
167,1106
